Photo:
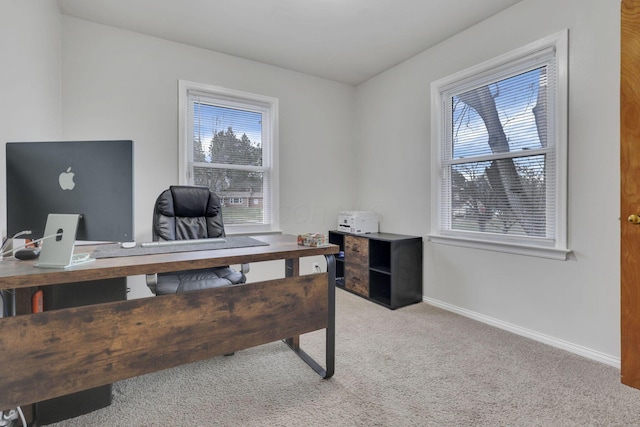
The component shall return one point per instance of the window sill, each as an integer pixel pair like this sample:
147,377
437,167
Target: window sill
517,249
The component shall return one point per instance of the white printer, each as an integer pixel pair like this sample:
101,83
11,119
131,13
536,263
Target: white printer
358,222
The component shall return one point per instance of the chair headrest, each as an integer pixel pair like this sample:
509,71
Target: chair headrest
194,201
186,201
186,212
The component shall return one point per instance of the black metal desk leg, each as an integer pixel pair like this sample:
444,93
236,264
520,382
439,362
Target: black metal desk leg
331,322
330,331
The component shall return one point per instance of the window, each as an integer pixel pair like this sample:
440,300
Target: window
228,142
499,138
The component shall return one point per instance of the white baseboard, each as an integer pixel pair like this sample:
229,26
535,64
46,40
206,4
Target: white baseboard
528,333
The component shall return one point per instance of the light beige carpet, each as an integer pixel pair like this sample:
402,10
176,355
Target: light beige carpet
416,366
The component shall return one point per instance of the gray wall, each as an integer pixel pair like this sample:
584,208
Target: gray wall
120,84
353,148
30,77
573,304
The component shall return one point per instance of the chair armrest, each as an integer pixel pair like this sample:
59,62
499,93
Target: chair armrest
152,281
245,268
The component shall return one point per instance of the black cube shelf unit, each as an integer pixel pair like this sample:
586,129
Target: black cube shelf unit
382,267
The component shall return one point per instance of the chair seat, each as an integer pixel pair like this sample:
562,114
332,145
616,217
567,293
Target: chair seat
195,280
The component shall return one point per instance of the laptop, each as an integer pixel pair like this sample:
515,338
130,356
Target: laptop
59,241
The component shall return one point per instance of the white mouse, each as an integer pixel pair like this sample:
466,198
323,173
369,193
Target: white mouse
128,245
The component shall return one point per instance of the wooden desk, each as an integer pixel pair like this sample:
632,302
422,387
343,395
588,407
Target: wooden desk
50,354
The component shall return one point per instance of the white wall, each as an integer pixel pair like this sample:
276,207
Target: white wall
573,304
120,84
29,76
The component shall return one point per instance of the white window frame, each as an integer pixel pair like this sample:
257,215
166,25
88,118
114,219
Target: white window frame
240,100
490,71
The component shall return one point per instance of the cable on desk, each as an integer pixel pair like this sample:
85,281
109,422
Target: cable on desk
18,234
31,243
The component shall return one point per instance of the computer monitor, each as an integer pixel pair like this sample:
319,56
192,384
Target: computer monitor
90,178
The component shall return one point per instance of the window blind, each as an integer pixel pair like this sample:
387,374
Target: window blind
498,153
229,153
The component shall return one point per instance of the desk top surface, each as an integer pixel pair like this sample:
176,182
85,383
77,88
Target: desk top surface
22,274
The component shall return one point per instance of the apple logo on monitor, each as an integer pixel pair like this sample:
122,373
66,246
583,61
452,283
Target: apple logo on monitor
66,180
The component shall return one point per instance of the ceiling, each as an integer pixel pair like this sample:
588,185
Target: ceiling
348,41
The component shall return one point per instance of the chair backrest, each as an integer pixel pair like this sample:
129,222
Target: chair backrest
185,212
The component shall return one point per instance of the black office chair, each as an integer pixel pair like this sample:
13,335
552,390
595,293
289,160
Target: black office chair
184,212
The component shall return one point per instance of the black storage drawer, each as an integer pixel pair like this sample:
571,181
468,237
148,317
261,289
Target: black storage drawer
383,267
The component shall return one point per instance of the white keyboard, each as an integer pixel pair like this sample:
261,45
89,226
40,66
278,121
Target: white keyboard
161,243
